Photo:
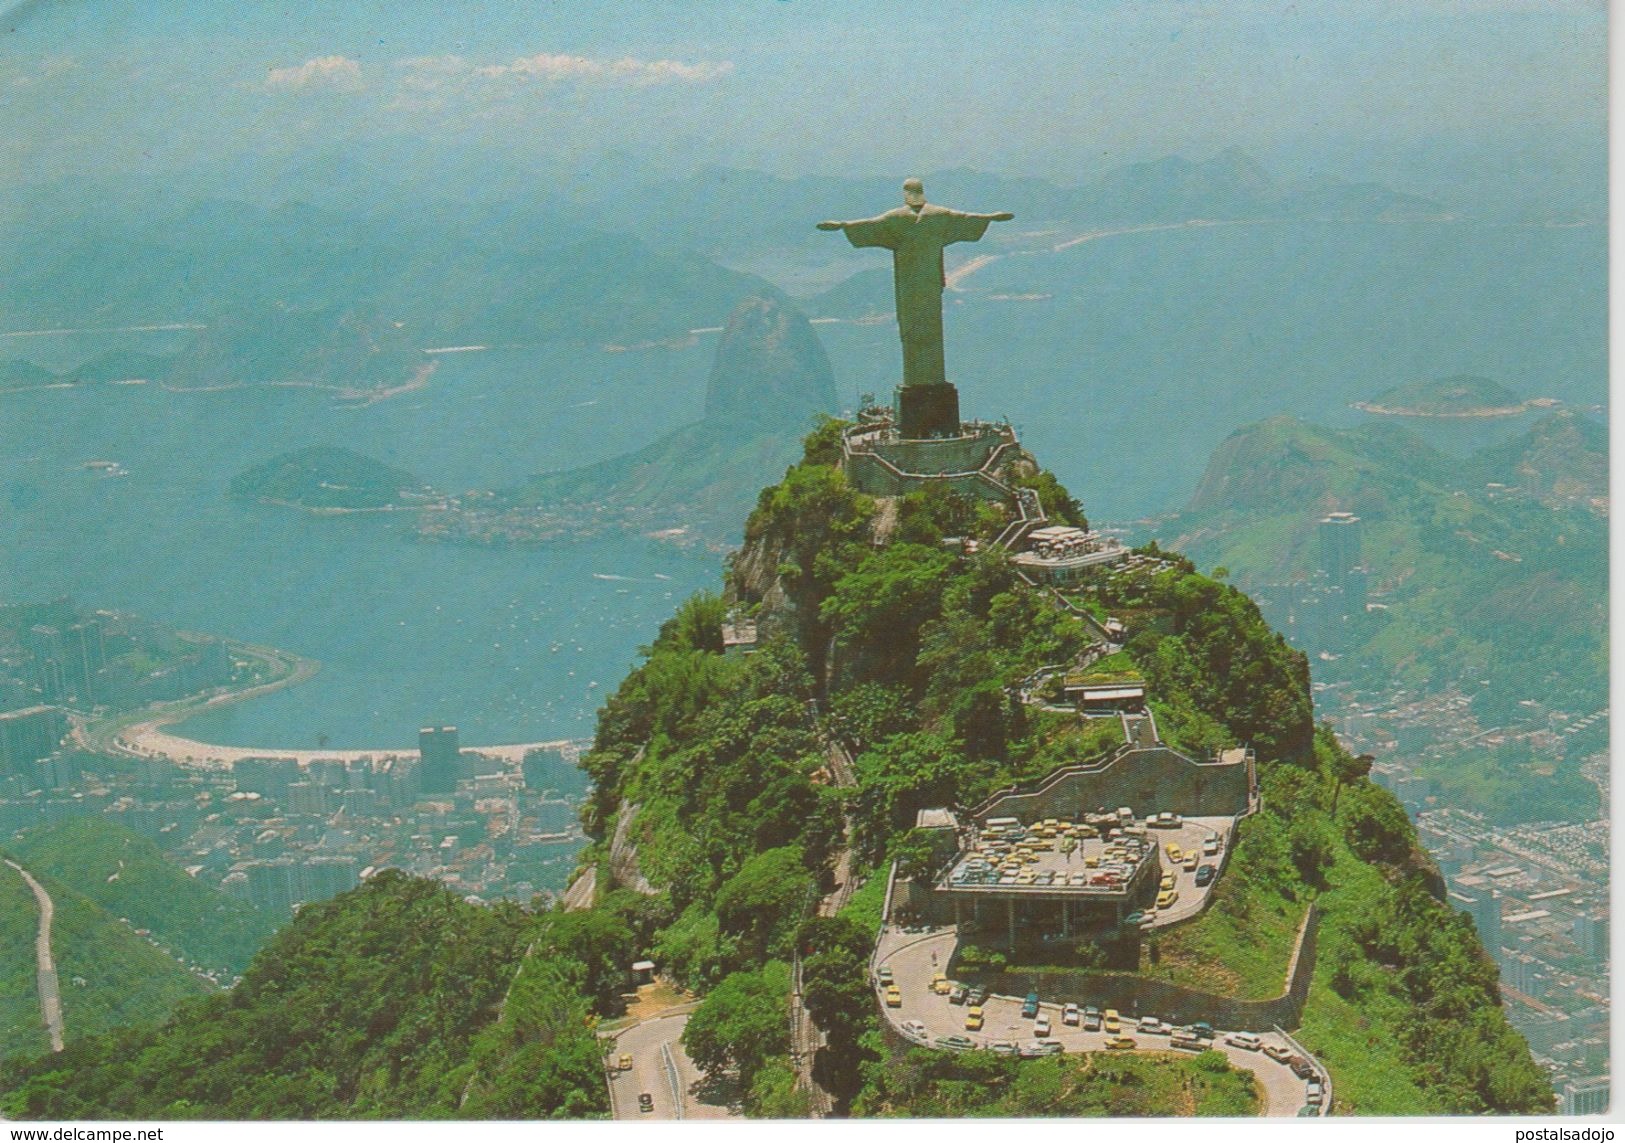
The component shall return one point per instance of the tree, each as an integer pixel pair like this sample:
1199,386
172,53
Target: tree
1375,824
743,1024
599,942
762,903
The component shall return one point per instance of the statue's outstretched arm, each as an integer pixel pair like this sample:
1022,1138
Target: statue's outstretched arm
832,225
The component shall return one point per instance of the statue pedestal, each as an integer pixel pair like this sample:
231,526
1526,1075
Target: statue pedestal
925,412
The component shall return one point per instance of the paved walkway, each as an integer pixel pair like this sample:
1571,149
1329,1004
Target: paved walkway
915,958
50,999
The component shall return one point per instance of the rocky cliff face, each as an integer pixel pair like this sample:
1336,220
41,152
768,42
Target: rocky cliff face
770,370
769,381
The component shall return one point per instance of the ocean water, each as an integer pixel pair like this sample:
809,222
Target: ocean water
510,645
1124,362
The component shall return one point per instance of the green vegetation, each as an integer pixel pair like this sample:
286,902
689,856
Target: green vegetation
128,876
952,1085
1510,783
323,477
380,1003
109,975
1459,396
21,1027
388,1001
743,1024
1500,592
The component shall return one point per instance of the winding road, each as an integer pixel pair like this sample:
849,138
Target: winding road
50,1000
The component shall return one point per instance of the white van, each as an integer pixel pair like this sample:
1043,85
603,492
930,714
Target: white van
1244,1040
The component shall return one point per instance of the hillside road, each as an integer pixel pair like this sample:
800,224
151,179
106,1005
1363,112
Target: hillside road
50,999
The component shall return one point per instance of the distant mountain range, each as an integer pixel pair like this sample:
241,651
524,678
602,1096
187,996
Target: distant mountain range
298,294
724,211
304,293
1492,567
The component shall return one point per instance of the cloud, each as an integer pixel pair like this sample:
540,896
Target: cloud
547,67
335,72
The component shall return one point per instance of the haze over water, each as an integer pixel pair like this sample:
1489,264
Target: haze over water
1140,354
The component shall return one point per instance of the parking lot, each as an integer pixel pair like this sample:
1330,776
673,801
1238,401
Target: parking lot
914,959
1066,861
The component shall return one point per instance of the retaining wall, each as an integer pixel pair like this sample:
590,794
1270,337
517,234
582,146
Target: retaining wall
1151,779
1135,996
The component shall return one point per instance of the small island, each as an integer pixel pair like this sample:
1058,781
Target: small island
1458,396
324,478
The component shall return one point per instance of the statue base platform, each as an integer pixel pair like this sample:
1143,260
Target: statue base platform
880,461
927,412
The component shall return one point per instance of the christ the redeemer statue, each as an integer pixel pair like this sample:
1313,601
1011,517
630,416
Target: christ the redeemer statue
915,234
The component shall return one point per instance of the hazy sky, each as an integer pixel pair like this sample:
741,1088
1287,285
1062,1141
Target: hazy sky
838,86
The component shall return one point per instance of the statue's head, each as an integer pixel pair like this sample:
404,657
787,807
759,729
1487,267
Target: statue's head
913,192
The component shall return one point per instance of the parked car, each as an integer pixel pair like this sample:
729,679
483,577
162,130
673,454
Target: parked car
1133,918
1166,898
914,1028
957,994
1091,1019
977,995
1119,1043
1034,1049
894,997
1210,846
973,1019
1041,1026
884,975
1244,1040
1301,1067
625,1062
1071,1014
1004,1048
1205,876
956,1043
1191,860
1110,1022
646,1102
1186,1039
1203,1029
1029,1007
1152,1026
1278,1053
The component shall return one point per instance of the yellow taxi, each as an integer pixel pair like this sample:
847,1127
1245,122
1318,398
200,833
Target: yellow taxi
625,1062
1119,1043
1092,861
1175,854
1167,881
973,1019
894,996
1167,897
939,983
1110,1023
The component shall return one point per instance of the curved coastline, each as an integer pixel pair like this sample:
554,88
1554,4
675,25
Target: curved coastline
142,734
